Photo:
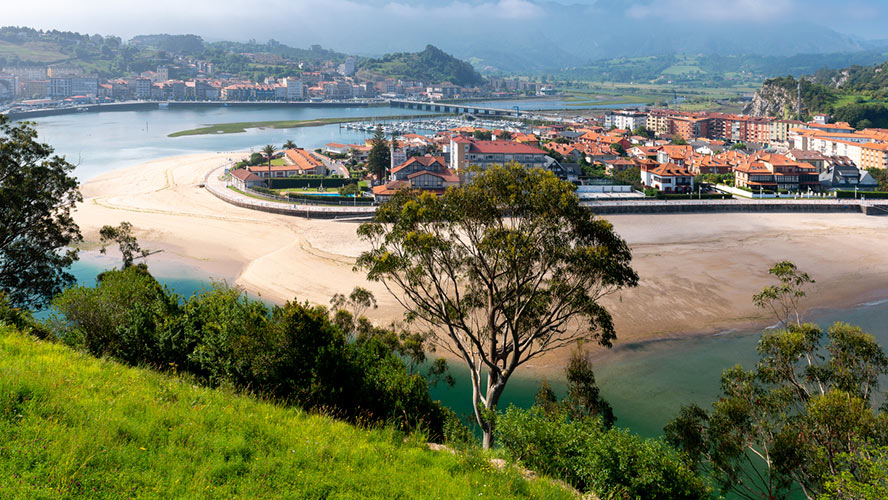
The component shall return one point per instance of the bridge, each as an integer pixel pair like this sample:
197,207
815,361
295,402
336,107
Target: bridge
440,107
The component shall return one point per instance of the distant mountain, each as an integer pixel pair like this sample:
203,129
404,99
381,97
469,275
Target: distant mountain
715,67
431,65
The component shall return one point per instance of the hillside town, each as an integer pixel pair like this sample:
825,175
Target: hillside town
658,152
29,87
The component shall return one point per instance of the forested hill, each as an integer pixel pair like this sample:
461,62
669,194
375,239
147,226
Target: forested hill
432,65
857,95
111,57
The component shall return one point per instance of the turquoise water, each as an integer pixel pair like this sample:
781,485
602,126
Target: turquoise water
646,383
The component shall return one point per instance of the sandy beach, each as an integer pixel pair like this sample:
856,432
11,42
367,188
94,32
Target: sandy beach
698,272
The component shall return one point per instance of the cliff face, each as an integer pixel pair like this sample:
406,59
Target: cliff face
772,100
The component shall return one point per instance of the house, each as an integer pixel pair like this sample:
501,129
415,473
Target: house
243,179
771,171
297,162
418,164
842,175
667,177
618,165
676,154
466,152
426,173
815,158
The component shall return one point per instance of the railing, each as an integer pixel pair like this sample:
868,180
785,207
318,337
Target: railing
307,201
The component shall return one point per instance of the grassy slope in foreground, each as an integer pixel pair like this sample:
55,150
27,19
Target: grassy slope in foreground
236,128
72,426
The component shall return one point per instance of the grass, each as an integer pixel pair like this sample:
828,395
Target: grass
72,426
236,128
40,52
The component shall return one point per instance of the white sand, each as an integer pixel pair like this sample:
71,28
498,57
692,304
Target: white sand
698,272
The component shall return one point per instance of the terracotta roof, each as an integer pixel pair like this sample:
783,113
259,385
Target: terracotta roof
670,170
503,147
302,159
245,175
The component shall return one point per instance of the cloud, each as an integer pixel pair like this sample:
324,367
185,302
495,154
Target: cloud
501,9
712,10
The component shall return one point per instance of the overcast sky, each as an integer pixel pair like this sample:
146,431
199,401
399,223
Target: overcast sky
349,24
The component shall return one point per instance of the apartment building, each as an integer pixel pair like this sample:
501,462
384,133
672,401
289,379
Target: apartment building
771,171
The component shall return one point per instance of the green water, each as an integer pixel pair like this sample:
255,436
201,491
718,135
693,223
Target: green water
646,383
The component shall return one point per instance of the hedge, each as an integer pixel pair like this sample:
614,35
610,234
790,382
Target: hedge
869,195
689,196
299,182
328,199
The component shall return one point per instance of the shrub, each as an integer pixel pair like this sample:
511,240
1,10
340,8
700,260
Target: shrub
21,319
611,463
119,317
294,353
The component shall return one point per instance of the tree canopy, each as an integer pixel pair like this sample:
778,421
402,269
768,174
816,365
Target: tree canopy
37,232
500,271
787,427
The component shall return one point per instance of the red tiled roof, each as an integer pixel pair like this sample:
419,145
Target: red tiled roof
504,147
245,175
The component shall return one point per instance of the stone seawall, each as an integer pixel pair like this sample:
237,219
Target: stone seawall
715,207
220,190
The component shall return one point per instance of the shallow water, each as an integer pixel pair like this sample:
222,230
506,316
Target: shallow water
106,141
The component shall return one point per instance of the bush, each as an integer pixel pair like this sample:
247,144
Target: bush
294,354
610,463
21,319
119,317
870,195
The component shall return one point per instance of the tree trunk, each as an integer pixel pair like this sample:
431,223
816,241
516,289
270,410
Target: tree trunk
495,386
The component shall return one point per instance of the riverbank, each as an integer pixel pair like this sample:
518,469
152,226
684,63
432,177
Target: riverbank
698,271
236,128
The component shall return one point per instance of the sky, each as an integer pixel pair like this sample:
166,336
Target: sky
372,26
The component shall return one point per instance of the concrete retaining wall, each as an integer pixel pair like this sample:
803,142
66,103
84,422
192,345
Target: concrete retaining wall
715,207
309,211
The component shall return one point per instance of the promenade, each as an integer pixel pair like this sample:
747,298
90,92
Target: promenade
214,184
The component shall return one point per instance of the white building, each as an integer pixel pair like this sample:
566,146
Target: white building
295,90
625,119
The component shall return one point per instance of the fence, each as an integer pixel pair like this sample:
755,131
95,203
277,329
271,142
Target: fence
293,198
290,182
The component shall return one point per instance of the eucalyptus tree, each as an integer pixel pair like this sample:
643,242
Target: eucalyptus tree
499,272
781,430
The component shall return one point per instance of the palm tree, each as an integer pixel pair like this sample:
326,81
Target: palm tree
269,153
289,144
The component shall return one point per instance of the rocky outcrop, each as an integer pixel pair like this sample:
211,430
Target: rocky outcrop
772,100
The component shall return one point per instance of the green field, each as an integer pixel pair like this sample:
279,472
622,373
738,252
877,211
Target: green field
42,52
72,426
236,128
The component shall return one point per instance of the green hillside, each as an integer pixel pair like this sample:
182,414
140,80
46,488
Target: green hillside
857,95
72,426
432,65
